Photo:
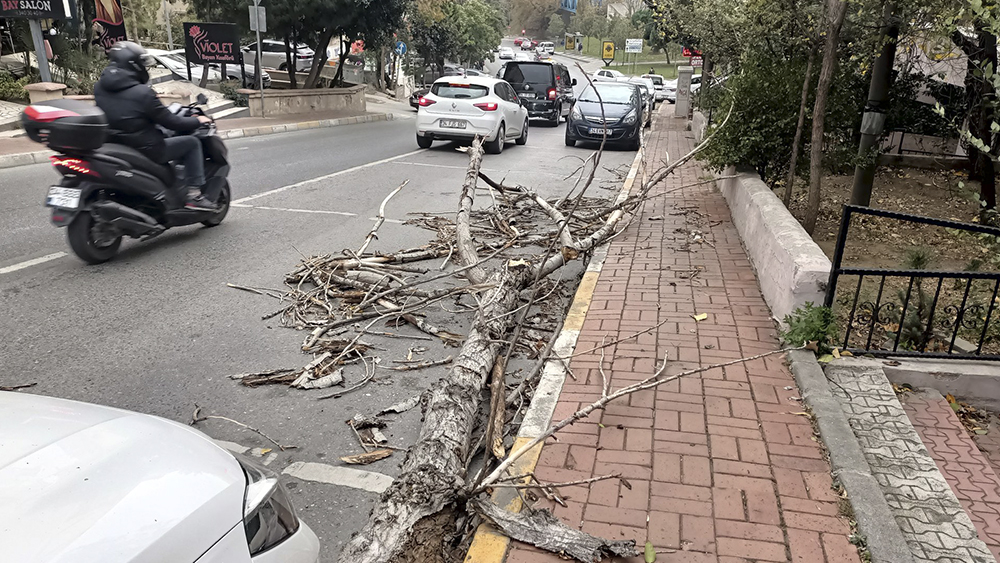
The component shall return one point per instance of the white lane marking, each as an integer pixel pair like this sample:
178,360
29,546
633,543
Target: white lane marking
343,476
232,446
32,262
322,178
293,210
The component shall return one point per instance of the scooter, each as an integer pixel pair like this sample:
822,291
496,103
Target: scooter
111,191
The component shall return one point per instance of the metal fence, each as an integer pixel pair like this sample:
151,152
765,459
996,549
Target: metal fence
933,314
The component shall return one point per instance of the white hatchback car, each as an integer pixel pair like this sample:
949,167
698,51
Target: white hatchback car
461,108
84,483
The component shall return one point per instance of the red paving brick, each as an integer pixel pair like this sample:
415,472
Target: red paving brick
968,470
721,469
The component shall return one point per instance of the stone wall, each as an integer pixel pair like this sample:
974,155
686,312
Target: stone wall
287,102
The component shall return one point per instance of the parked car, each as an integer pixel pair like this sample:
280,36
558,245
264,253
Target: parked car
607,75
506,53
546,88
649,97
175,62
621,122
518,41
660,84
273,55
525,57
670,90
546,48
462,108
91,483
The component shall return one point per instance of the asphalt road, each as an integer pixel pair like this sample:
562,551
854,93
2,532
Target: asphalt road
157,330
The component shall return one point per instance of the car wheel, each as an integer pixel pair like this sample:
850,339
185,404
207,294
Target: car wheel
424,142
554,122
634,145
282,66
496,145
570,141
523,139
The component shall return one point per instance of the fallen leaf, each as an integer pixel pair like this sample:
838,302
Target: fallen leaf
891,363
650,555
836,353
846,354
700,316
366,458
805,414
812,345
825,358
950,398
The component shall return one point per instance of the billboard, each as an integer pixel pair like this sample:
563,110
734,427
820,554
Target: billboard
109,23
567,6
206,43
36,9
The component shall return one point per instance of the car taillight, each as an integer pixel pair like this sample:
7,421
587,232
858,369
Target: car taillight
487,106
73,164
425,101
552,93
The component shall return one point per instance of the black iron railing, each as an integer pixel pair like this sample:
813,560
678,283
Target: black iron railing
935,314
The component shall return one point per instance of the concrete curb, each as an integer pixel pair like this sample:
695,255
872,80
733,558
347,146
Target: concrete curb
848,464
488,545
38,157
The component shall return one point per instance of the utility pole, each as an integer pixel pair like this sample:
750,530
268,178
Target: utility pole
39,42
878,104
170,33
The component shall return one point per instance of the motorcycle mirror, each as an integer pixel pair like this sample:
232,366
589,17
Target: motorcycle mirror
201,99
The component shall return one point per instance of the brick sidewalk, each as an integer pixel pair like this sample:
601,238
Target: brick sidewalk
721,467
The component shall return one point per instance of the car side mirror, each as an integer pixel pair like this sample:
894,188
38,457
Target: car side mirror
574,82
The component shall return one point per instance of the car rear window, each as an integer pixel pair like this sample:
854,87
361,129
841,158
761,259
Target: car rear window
446,90
656,80
528,73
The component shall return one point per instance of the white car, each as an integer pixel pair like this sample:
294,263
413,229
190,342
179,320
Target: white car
460,108
176,63
506,53
273,55
546,48
83,483
605,75
660,84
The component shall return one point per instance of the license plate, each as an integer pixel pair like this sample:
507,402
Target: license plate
594,131
528,95
453,123
66,198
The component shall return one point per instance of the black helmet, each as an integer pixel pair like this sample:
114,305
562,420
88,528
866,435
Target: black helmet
131,57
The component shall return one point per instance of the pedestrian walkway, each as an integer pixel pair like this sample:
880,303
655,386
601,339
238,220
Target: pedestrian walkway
721,467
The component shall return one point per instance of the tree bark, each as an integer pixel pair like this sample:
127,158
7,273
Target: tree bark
290,63
204,76
799,126
981,53
836,10
319,60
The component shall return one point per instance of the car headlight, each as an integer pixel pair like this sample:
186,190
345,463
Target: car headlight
576,113
629,118
268,515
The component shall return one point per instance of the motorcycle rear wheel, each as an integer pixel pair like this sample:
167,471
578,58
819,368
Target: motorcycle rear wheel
223,203
84,237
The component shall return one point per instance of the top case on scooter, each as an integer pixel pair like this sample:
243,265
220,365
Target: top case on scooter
65,125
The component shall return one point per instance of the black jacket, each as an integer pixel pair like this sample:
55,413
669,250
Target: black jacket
133,112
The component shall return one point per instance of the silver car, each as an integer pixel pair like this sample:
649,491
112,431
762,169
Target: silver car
273,55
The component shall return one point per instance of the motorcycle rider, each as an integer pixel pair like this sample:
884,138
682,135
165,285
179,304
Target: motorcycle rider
134,111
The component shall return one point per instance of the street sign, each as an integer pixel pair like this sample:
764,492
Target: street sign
697,62
37,9
258,19
608,51
211,43
400,48
633,45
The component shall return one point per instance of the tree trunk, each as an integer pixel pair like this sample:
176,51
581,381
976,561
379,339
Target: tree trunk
836,10
799,126
204,76
982,53
319,59
338,79
290,63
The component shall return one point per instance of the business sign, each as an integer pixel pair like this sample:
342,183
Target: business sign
570,42
109,23
633,45
567,6
36,9
689,52
697,62
608,51
211,43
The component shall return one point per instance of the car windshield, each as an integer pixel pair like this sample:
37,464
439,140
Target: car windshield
447,90
609,94
528,73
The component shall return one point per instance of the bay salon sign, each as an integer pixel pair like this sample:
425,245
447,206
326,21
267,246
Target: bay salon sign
36,9
206,43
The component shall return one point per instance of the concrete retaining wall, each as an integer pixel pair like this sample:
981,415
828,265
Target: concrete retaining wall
791,269
287,102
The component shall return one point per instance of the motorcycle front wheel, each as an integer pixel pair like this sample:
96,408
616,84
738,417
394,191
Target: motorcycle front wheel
94,242
223,202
